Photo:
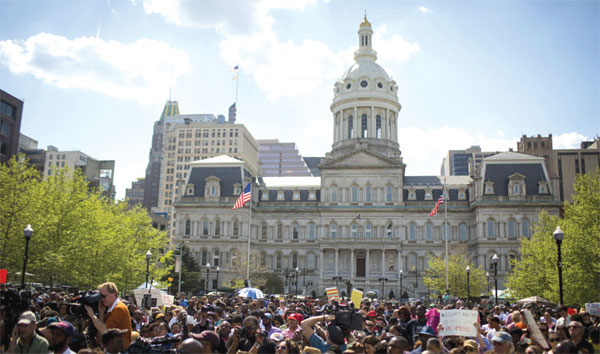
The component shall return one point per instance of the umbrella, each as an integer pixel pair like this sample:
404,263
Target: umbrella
372,294
533,299
251,293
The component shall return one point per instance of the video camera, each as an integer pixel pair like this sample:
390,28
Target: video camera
90,298
153,345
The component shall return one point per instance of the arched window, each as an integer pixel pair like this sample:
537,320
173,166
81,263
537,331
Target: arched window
354,194
512,229
412,232
389,195
263,231
462,232
368,194
429,232
310,261
215,262
294,260
311,231
203,257
368,231
525,228
516,189
412,262
332,230
217,227
236,228
363,130
278,261
279,232
378,126
350,129
205,227
333,194
491,228
295,232
188,227
354,230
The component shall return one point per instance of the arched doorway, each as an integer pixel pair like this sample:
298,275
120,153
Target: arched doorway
360,264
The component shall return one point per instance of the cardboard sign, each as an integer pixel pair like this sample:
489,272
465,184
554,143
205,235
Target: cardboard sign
458,322
332,294
535,330
3,273
593,308
356,298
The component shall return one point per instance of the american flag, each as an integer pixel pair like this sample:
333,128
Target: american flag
243,198
437,205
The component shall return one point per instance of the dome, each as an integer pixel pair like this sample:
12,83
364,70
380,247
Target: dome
365,69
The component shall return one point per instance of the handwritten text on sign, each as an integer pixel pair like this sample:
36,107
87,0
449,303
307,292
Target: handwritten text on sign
458,323
593,308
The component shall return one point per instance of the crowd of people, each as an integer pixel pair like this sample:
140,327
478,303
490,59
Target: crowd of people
230,324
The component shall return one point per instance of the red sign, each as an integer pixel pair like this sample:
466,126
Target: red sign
2,276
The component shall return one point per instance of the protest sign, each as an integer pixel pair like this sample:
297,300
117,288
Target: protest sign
332,294
593,308
535,330
458,323
356,298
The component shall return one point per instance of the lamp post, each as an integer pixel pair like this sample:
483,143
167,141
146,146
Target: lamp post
383,280
417,283
558,236
401,284
206,286
148,256
487,274
468,270
495,263
296,271
217,289
337,279
27,233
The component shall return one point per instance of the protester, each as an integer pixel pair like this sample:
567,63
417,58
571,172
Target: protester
24,338
112,312
61,334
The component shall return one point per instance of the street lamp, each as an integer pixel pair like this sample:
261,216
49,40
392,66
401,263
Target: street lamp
401,284
487,274
217,289
337,279
148,256
383,280
468,288
296,271
558,236
417,283
27,233
495,263
206,286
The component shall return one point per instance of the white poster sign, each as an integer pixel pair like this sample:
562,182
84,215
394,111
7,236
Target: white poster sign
458,322
593,308
535,330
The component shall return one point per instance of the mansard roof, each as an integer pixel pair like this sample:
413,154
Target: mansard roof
499,174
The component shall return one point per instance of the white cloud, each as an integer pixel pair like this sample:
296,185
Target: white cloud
568,140
392,48
142,70
424,9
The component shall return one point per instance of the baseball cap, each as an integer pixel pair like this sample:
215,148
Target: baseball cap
64,326
112,333
276,337
372,314
266,314
427,330
296,316
26,317
502,337
211,337
471,344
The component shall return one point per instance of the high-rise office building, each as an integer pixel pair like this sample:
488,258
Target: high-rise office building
280,159
11,110
135,194
463,162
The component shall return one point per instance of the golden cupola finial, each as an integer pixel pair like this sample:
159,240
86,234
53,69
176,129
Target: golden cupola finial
365,22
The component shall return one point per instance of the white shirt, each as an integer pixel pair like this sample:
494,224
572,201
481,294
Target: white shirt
112,307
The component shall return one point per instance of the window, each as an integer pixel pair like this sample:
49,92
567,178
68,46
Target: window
368,194
236,228
217,227
516,189
311,231
462,232
445,229
332,230
330,261
491,228
378,126
354,230
388,194
354,195
279,232
388,230
368,231
412,232
350,128
263,231
203,257
188,227
525,228
333,194
295,232
512,232
363,130
7,109
215,262
205,227
429,232
310,261
294,260
278,261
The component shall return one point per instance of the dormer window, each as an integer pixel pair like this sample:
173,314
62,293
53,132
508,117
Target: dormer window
489,187
189,190
348,86
212,187
296,195
237,189
428,194
280,195
412,194
265,195
516,185
312,195
542,187
364,83
462,195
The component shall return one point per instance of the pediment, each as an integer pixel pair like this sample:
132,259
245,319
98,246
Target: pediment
362,159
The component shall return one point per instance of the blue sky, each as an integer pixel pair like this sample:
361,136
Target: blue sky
95,74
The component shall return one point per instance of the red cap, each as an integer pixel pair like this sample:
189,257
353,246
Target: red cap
296,316
372,314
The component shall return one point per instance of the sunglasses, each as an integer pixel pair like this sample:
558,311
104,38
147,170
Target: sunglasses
281,347
553,340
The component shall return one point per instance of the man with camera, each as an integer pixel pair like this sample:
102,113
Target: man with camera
248,336
24,338
117,314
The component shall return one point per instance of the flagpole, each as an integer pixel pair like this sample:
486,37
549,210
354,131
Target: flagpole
249,234
446,227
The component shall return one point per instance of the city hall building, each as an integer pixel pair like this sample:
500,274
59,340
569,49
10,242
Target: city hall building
362,219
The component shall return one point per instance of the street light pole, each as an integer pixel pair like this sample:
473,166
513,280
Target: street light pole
468,287
558,236
383,280
400,285
180,268
217,289
206,285
417,284
495,263
297,271
27,233
337,278
487,274
148,256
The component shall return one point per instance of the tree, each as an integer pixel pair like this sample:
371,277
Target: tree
259,275
435,275
536,273
191,273
80,237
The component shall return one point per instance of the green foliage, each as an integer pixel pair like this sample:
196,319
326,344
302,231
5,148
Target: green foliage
435,275
537,271
80,238
191,274
259,275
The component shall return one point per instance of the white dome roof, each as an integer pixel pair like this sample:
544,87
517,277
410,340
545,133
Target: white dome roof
365,69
